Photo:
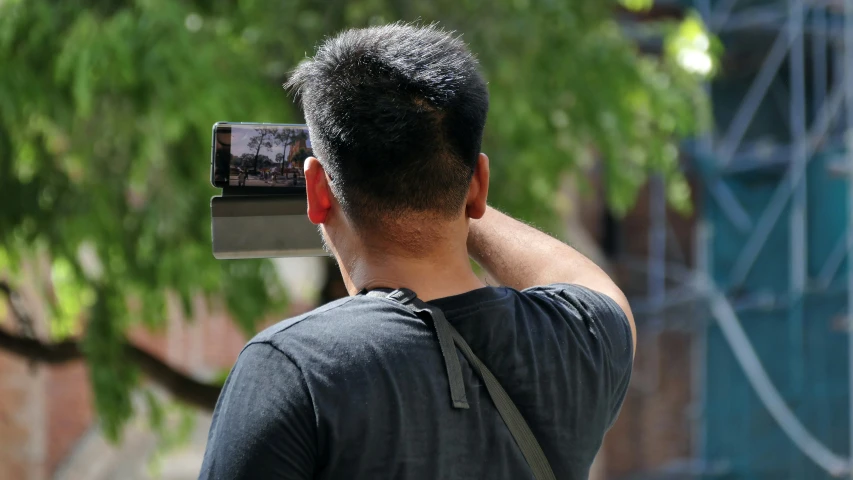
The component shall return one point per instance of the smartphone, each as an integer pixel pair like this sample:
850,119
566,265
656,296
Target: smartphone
262,210
259,158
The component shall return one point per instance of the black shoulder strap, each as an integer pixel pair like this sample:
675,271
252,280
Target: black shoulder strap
448,339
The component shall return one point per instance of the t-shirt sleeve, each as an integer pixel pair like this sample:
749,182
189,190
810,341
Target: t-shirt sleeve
599,325
264,423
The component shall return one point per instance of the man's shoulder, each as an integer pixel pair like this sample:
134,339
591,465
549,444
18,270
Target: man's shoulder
292,324
328,324
346,341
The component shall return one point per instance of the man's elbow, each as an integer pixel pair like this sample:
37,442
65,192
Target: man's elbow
617,296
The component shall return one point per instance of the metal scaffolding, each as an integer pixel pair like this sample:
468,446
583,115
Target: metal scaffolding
813,40
848,82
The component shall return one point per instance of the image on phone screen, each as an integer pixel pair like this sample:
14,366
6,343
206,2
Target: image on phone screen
255,156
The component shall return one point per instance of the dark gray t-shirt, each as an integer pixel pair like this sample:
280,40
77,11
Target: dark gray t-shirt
357,389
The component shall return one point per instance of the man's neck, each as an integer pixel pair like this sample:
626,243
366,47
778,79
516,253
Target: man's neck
431,277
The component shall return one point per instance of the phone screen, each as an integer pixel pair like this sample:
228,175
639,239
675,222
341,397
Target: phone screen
255,157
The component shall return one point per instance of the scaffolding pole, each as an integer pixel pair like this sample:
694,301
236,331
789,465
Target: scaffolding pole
848,74
757,90
783,192
797,213
770,397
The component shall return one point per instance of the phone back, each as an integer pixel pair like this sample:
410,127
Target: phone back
263,227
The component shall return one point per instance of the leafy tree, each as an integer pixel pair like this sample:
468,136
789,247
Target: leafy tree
262,139
264,161
299,158
105,115
288,137
247,160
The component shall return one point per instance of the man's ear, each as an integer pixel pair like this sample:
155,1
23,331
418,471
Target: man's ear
319,191
475,206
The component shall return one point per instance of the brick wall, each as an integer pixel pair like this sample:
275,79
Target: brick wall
17,384
45,410
69,410
654,429
23,417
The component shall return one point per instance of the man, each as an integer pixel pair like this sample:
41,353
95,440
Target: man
357,389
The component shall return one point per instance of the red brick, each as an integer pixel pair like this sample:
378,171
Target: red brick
14,428
70,410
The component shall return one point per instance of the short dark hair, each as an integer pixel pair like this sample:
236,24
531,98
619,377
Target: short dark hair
396,114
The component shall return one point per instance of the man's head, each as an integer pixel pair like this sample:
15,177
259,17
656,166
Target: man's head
396,115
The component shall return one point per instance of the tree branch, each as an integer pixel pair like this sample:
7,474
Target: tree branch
36,351
180,385
25,322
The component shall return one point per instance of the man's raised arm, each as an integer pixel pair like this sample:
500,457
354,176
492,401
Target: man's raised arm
519,256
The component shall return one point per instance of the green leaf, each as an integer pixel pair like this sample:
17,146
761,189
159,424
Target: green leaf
112,375
637,5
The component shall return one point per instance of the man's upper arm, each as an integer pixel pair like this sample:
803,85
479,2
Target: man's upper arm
614,293
600,325
264,423
600,283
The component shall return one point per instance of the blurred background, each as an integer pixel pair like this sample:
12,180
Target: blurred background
698,150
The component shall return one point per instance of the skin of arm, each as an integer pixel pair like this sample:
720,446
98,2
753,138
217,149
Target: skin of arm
520,256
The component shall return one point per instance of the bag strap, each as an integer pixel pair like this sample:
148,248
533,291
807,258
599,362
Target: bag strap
448,339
